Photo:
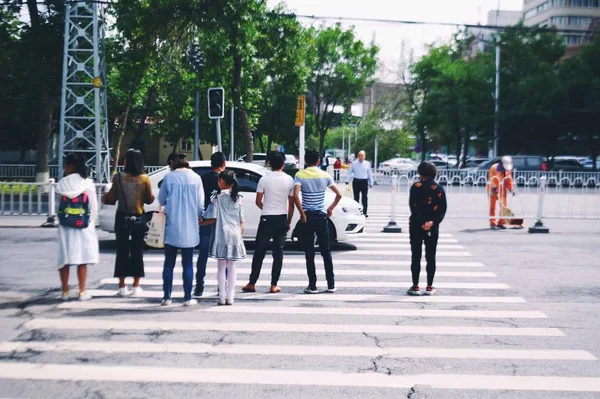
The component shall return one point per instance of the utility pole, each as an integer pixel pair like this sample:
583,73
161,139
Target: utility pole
497,89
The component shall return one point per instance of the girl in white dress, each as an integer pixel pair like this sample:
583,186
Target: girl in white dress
227,245
77,246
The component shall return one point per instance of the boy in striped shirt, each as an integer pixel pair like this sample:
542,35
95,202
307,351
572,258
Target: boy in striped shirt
313,183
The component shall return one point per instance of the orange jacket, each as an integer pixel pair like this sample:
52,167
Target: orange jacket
499,180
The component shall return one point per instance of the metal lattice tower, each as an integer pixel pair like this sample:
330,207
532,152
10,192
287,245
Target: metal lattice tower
83,117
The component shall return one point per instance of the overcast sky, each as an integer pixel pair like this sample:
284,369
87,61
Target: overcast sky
390,38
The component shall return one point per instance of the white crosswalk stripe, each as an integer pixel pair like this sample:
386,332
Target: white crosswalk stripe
332,298
64,372
474,318
139,325
339,284
287,271
291,350
500,314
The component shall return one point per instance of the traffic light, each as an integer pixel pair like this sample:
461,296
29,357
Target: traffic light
216,103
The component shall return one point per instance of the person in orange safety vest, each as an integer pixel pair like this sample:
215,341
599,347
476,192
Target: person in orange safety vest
499,184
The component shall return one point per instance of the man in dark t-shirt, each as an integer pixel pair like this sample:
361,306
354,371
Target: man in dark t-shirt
210,182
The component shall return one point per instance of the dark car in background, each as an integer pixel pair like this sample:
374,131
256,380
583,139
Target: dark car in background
566,165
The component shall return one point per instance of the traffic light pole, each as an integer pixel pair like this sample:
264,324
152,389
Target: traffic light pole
197,121
219,144
231,147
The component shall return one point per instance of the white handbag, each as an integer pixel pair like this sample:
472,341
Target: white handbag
155,237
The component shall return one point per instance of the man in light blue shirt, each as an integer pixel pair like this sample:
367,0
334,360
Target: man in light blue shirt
182,197
360,170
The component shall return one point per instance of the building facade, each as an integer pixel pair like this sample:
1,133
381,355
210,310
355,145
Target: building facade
484,37
575,15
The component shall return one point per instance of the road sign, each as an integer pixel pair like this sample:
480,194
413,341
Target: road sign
300,111
216,103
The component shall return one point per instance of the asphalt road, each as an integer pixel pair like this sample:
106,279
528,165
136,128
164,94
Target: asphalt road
515,316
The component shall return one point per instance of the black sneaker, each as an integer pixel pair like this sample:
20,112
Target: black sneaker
501,227
309,290
331,289
198,291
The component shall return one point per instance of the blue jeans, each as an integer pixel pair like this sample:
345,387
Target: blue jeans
205,233
187,262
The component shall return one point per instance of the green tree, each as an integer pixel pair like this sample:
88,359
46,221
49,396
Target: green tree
342,67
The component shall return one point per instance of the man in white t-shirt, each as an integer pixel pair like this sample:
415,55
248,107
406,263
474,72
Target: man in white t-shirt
275,196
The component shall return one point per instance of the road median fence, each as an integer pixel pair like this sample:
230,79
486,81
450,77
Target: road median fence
539,195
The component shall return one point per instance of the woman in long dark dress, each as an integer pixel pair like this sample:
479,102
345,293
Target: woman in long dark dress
131,189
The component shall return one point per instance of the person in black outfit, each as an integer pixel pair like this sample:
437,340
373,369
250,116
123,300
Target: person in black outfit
427,210
210,182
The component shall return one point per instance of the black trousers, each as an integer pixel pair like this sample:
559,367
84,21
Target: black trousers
317,223
418,236
130,252
361,189
336,175
270,227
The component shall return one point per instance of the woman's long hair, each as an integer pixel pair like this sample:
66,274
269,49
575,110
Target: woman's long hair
78,162
229,177
134,162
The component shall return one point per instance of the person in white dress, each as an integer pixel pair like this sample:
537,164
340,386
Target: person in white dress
227,245
77,246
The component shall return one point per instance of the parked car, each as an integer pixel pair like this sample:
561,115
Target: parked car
474,162
521,163
291,161
398,165
589,164
259,158
566,165
347,219
440,164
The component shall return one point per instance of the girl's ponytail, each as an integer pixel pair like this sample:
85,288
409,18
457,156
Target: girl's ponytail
229,177
235,189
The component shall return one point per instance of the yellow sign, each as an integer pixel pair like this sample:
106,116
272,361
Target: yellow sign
97,82
300,111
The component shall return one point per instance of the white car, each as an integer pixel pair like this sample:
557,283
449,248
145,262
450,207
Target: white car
347,219
258,158
398,165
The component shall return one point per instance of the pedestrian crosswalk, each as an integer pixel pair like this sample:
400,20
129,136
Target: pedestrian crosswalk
478,333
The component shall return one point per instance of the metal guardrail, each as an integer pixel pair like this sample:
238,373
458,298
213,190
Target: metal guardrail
27,171
34,199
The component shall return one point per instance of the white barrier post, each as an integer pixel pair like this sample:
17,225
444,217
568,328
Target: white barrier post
51,221
392,227
538,227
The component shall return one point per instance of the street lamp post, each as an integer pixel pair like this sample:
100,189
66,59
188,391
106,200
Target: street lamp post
196,59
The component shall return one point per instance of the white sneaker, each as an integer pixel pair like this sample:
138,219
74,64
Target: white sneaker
137,291
123,292
64,296
191,302
166,302
84,296
229,301
309,290
222,302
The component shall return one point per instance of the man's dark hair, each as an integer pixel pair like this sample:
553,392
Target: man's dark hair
276,160
217,160
311,157
172,157
427,170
